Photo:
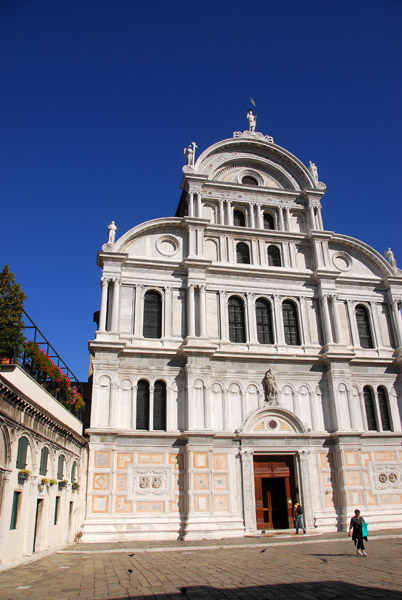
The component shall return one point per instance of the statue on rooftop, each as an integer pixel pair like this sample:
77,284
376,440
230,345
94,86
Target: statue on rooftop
190,153
391,258
111,229
252,120
314,171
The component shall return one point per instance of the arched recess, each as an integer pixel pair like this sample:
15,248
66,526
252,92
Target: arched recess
273,421
199,404
125,405
102,401
211,249
217,407
234,411
5,447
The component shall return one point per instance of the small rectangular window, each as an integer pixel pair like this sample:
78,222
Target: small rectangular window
15,509
57,510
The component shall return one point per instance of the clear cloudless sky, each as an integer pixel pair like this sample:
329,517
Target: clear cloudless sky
99,98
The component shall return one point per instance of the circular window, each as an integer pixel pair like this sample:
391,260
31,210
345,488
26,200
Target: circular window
167,245
342,261
248,180
273,424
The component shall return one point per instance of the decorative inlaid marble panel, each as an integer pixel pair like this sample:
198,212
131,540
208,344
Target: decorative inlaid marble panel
150,482
200,460
219,461
201,503
100,481
124,459
122,506
102,459
100,504
221,503
153,459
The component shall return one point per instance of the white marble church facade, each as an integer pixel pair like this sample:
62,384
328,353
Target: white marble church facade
245,358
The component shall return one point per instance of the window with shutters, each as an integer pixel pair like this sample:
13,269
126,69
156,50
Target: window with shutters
22,453
237,330
290,323
239,219
264,321
60,467
384,408
152,315
44,455
363,326
160,406
368,396
142,421
243,253
269,222
15,510
274,256
74,472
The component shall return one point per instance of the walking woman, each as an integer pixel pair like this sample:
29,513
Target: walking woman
356,523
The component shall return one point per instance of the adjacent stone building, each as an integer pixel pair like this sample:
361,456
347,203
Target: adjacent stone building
245,358
42,469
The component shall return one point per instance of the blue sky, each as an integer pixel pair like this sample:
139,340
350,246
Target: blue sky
100,97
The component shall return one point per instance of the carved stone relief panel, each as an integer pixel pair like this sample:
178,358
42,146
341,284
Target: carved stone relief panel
386,477
150,483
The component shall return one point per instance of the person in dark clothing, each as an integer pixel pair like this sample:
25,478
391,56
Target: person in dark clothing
298,515
356,524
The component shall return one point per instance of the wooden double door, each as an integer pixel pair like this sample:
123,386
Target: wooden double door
274,491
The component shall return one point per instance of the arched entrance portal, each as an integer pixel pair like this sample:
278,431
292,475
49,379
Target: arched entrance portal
275,491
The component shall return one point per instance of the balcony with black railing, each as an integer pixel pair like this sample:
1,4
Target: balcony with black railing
26,346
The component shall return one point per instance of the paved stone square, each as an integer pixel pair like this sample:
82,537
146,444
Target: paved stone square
322,567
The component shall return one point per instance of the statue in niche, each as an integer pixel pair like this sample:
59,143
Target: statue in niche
391,258
144,482
271,392
314,171
189,153
252,120
111,229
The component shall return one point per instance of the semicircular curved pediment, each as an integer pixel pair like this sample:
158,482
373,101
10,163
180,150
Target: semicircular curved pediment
273,420
268,159
268,173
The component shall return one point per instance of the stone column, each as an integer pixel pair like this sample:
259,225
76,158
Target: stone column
223,316
311,217
251,215
137,309
335,315
326,319
281,224
287,218
259,217
397,323
151,407
280,339
115,304
190,310
306,500
376,325
134,408
190,204
305,320
168,312
319,219
252,336
169,407
247,469
103,307
203,328
221,213
199,206
229,212
352,323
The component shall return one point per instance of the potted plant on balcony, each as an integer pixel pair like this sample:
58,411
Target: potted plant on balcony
62,484
75,486
11,305
52,482
23,475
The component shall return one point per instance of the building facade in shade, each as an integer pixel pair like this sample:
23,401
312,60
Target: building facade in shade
246,358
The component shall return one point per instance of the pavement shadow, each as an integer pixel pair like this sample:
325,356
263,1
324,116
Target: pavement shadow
334,590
